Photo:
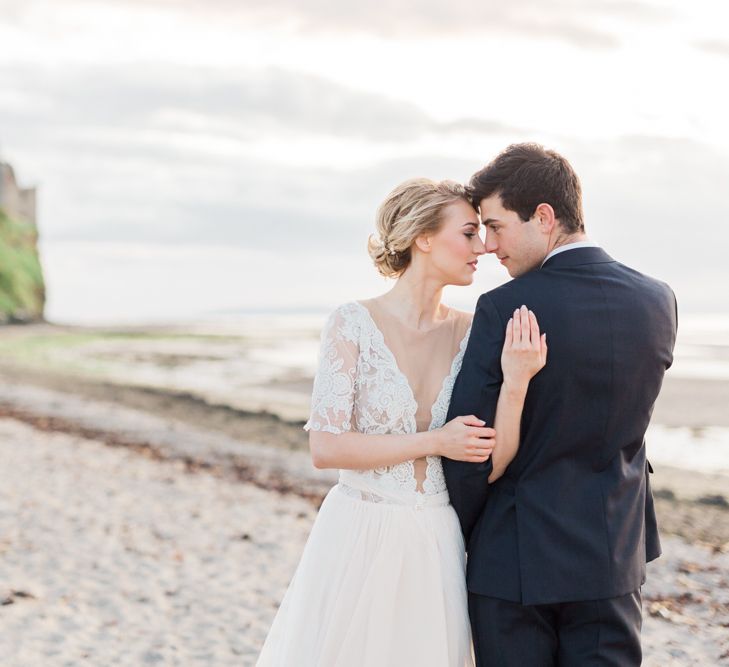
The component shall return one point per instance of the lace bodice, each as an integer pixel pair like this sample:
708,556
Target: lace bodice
359,387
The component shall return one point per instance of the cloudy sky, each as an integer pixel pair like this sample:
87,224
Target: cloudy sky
229,155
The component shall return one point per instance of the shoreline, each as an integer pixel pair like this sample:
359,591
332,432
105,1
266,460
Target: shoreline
266,364
171,527
271,453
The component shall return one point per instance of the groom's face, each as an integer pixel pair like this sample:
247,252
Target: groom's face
520,246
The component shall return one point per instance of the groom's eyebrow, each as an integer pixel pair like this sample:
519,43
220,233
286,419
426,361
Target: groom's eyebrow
488,221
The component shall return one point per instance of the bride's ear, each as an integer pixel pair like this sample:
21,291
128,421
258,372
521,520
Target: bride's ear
423,243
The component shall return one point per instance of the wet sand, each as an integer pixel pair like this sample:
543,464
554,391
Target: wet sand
144,525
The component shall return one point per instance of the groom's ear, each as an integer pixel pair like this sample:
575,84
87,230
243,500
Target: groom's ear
547,220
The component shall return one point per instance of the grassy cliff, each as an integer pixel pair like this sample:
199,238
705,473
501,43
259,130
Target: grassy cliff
22,290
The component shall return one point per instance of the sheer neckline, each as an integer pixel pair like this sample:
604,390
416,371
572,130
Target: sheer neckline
450,314
403,377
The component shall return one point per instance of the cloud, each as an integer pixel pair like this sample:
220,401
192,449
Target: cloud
242,203
563,20
165,154
651,202
240,104
654,201
118,164
581,23
714,47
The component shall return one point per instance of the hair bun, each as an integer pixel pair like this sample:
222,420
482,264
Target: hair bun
413,208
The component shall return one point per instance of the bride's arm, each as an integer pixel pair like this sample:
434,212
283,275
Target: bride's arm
463,439
523,356
332,439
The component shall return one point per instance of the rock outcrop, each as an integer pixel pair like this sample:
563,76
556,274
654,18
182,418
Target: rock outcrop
22,289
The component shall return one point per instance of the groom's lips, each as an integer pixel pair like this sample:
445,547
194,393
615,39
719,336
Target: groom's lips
503,259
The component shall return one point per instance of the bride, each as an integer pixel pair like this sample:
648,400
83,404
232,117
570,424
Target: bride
381,581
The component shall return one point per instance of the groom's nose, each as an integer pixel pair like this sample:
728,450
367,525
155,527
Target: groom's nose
491,245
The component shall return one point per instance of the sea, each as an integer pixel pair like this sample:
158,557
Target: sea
285,344
266,360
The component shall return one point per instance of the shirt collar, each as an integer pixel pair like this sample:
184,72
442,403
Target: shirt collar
570,246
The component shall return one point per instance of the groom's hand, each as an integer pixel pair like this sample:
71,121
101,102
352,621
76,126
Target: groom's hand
465,439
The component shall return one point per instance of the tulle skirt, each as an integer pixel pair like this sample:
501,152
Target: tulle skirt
378,585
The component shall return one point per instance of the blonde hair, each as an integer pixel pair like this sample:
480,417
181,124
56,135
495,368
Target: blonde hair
413,208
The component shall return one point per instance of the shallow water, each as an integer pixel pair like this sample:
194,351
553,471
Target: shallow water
703,450
267,362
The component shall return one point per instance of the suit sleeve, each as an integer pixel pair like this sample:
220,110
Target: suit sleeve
476,392
675,326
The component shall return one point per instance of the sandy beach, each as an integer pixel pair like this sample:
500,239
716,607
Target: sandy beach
109,557
146,525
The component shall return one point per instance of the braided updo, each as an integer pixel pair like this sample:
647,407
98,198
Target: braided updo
413,208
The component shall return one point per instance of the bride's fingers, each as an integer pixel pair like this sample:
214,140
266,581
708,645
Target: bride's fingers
482,443
534,326
524,312
543,342
509,340
517,327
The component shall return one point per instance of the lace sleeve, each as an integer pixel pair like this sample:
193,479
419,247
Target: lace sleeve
332,401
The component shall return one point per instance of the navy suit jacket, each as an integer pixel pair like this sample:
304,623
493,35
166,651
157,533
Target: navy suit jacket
572,518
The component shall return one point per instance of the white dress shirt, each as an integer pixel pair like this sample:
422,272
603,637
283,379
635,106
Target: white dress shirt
570,246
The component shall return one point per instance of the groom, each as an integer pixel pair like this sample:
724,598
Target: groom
557,546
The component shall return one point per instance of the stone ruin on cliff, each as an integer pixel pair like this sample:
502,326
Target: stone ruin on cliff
17,202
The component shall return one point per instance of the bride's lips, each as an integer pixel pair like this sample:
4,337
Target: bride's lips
473,264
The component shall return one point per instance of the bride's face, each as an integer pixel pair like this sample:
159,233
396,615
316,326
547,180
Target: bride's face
453,251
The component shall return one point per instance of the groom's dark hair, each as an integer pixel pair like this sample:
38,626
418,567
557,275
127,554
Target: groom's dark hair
526,175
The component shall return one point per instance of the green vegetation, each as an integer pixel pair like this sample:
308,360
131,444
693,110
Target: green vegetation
86,351
22,290
41,349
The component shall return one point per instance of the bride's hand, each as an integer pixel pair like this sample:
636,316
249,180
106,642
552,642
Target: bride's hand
465,438
525,351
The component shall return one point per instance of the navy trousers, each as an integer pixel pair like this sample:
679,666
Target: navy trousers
592,633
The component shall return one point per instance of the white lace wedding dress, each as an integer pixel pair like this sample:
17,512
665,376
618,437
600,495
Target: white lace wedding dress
381,582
